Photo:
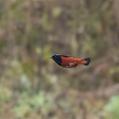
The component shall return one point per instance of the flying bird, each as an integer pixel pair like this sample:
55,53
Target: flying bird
69,61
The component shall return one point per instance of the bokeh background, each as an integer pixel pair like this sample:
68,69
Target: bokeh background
32,86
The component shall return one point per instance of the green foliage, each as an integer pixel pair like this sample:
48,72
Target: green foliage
2,45
114,73
5,94
56,12
112,108
16,10
47,24
27,104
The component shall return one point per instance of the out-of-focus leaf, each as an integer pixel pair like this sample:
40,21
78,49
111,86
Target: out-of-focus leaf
112,108
56,12
5,94
46,22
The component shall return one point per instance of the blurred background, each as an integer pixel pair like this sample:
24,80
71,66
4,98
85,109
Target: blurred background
32,86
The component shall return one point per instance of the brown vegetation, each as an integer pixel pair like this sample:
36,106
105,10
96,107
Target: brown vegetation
31,85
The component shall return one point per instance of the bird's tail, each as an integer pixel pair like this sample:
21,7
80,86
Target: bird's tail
86,61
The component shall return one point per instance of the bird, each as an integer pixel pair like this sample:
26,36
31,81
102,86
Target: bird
70,61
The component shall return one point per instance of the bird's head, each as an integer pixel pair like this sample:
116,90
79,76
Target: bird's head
57,58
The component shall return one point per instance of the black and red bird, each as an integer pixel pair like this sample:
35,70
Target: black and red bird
69,61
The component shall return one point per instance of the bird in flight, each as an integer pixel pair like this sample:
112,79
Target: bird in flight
69,61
